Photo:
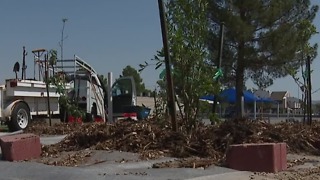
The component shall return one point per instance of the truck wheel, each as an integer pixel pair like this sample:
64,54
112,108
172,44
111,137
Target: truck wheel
20,117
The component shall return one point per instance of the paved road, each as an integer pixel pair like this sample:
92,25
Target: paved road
136,171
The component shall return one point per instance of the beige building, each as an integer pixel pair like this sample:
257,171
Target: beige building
283,101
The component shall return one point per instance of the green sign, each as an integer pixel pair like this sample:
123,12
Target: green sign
218,74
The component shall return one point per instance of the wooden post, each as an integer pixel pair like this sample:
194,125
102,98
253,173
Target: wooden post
309,90
171,96
46,67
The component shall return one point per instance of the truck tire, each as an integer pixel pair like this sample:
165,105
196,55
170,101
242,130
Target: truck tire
20,117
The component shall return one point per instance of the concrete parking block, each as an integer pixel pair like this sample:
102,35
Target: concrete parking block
20,147
261,157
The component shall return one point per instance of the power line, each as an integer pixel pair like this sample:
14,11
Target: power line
316,91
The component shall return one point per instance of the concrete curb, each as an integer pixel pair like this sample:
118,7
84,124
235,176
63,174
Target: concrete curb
10,133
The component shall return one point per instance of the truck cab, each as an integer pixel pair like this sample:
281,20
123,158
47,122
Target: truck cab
124,95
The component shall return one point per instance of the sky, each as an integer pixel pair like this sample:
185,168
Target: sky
108,34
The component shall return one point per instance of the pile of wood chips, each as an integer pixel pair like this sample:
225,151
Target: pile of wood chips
152,139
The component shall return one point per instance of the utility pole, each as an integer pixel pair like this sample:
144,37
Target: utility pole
24,67
64,20
219,65
309,90
171,96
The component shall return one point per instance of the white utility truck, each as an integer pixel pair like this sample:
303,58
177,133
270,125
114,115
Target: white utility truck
22,100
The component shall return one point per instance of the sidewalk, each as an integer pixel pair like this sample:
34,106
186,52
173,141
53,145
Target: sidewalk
36,171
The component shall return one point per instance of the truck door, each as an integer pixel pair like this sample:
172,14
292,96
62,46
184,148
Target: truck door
123,94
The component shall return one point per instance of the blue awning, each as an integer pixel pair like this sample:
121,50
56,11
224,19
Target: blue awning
229,95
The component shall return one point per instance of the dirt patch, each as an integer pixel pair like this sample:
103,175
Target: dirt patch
74,158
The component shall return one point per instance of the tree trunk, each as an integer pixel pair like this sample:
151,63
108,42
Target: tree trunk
240,81
240,72
305,105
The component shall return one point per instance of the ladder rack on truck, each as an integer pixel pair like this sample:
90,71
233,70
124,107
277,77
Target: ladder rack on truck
87,89
90,92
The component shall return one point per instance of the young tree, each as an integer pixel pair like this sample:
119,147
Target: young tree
130,71
262,38
192,71
67,104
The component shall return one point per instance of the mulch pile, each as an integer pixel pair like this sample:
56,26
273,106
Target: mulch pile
42,128
152,140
